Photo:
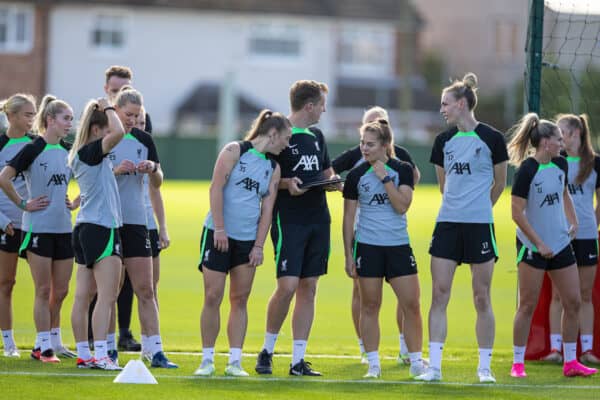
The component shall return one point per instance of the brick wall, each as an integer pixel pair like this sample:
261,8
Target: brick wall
27,72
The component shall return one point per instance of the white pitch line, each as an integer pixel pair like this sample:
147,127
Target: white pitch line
313,380
285,355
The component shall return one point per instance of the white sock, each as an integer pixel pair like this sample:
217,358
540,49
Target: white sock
208,354
414,357
361,345
587,342
518,354
298,351
100,349
111,344
270,339
556,341
154,344
235,355
55,338
485,358
144,343
83,350
435,355
44,338
37,341
8,339
373,357
403,348
570,352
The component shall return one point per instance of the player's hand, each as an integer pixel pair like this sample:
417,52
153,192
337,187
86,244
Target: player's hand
256,256
126,167
545,251
163,239
334,186
293,186
350,268
72,205
9,230
146,167
220,240
39,203
379,169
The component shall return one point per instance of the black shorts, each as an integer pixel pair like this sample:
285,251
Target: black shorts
384,261
154,242
237,253
301,250
586,252
57,246
92,243
468,243
563,259
11,244
135,240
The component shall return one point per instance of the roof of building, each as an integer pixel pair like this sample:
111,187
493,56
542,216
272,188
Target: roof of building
388,10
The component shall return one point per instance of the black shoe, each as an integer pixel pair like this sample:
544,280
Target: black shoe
264,363
128,343
303,368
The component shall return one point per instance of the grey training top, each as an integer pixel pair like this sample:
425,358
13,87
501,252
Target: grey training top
46,174
378,223
243,193
468,159
136,146
100,203
9,212
583,198
543,185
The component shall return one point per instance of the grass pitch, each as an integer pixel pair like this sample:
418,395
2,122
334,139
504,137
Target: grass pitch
332,341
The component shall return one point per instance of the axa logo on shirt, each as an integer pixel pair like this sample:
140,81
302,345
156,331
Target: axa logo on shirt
308,163
575,188
249,184
461,168
550,199
379,199
57,180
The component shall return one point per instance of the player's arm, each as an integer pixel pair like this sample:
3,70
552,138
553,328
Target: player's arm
518,205
441,177
158,206
570,213
597,209
266,216
226,160
348,234
499,181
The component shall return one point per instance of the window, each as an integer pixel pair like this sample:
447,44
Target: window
364,51
275,41
16,29
108,32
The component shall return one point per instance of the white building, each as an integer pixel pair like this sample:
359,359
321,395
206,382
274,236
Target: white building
175,46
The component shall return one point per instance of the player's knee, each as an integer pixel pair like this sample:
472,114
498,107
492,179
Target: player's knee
6,286
482,302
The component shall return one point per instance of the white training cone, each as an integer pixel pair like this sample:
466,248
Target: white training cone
135,372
